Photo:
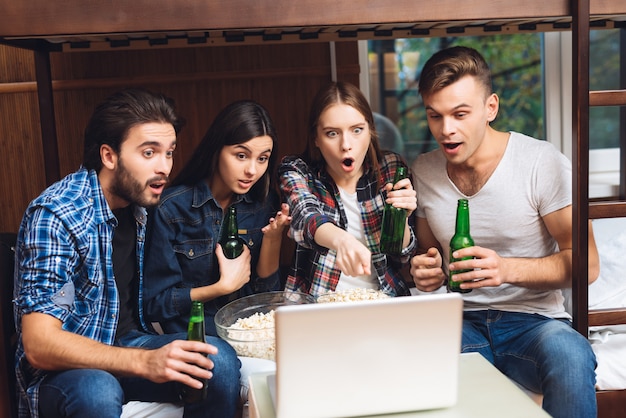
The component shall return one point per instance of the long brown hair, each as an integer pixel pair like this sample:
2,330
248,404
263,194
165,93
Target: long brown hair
348,94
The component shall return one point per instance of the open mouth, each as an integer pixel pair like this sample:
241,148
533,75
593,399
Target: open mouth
348,162
452,145
158,184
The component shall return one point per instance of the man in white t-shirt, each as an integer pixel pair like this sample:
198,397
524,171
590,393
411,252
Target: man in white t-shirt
520,195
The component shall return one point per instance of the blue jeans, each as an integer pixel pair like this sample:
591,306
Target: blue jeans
96,393
543,355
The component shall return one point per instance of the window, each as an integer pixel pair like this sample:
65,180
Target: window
531,74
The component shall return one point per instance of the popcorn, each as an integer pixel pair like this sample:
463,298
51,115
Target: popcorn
253,336
350,295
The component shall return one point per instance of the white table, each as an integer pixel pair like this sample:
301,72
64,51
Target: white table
484,392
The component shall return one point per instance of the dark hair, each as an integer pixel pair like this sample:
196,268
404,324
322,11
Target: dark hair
237,123
349,94
116,115
450,65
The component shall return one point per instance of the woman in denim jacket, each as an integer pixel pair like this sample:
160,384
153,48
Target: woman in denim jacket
233,165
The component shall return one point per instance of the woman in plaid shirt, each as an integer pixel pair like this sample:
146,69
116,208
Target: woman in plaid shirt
336,193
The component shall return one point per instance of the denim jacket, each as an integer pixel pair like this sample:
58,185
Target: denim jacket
183,231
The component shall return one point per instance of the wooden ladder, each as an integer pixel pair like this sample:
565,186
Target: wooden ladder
610,403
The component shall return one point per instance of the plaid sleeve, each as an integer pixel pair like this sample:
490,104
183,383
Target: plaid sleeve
45,257
308,199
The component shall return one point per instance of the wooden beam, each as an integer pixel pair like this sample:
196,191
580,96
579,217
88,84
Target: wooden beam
598,317
602,210
42,17
580,163
607,98
46,116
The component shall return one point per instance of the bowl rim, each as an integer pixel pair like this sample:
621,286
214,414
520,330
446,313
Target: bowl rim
264,298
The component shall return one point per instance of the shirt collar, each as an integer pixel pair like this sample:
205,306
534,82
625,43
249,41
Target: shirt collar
202,195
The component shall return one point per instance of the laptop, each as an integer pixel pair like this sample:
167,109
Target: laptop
348,359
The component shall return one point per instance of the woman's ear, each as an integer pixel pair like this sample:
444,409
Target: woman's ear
108,156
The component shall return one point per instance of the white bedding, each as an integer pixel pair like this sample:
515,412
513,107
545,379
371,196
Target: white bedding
609,291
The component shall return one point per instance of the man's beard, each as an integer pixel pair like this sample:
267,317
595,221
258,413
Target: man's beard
126,187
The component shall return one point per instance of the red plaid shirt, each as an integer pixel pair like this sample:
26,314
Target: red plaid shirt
313,199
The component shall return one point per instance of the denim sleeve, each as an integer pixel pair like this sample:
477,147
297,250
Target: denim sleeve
267,284
165,297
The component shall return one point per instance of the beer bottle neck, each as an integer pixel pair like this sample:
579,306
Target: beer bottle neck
231,230
197,311
462,219
400,174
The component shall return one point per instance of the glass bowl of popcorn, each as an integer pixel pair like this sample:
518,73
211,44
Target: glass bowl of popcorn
247,324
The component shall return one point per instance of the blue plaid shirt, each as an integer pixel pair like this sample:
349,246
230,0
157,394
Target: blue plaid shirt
64,268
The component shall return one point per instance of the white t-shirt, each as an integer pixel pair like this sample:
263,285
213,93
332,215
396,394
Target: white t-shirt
532,180
355,228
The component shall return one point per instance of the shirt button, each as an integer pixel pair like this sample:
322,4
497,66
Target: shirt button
191,253
113,316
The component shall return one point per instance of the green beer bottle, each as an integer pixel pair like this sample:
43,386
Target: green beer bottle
195,332
461,239
394,221
232,245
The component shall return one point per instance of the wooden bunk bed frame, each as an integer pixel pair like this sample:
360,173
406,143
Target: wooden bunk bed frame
44,26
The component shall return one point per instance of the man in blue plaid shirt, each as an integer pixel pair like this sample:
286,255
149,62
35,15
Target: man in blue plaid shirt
84,348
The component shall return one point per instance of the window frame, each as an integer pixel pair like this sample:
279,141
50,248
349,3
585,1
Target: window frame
604,164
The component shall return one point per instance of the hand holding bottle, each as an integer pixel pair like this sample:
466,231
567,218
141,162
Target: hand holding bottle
182,361
401,195
234,273
485,268
399,205
195,332
231,244
460,239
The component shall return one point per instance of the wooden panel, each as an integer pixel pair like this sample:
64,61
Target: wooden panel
283,78
21,173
